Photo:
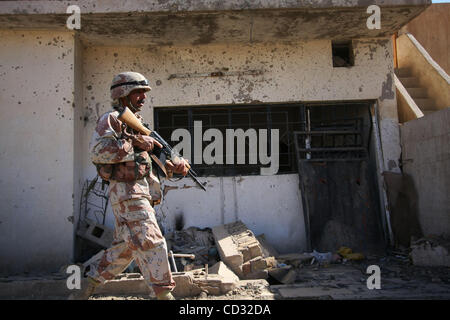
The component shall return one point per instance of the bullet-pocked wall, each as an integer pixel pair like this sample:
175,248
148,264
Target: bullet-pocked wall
289,72
36,150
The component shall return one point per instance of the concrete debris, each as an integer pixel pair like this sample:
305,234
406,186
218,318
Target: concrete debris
95,232
284,274
241,251
431,252
198,282
229,278
266,247
295,259
256,289
125,283
192,240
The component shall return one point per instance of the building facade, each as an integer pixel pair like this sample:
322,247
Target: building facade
206,62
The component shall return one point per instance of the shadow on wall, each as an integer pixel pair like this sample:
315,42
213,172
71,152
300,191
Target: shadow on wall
403,200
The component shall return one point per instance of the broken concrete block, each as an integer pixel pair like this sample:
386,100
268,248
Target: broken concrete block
241,251
271,262
258,264
185,286
192,283
430,253
279,273
267,249
246,268
96,233
124,286
290,277
229,278
259,274
255,250
221,269
227,249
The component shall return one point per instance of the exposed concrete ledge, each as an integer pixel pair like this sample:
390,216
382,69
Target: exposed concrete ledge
407,108
169,22
93,6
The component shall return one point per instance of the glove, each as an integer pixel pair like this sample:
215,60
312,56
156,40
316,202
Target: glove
145,143
180,168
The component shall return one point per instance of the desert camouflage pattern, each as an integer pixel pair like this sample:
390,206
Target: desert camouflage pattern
107,144
137,237
123,91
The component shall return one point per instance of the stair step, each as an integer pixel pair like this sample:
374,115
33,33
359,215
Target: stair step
428,112
417,92
410,82
403,72
425,104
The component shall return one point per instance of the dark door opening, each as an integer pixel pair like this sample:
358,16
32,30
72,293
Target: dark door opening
337,174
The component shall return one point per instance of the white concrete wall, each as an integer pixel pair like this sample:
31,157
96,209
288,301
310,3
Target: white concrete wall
291,73
426,155
36,150
266,204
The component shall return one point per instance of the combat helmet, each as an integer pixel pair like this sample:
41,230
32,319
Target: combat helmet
125,82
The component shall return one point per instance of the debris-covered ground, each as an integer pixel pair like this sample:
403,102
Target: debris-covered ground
399,280
333,275
229,262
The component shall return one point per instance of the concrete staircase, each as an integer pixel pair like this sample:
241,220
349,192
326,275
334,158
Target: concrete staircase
417,93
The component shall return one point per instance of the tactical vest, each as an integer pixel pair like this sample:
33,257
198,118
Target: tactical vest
128,171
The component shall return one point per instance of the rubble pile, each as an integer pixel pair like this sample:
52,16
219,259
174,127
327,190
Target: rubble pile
192,240
230,253
430,252
241,251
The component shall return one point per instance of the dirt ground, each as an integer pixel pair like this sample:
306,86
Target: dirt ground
399,280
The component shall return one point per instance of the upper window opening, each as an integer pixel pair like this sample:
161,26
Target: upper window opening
342,54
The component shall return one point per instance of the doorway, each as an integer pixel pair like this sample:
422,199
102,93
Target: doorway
338,178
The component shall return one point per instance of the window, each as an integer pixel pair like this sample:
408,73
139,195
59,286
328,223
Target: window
285,118
342,52
322,132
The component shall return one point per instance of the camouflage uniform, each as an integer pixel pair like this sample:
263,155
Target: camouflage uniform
137,235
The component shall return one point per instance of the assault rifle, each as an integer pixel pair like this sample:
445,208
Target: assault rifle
131,120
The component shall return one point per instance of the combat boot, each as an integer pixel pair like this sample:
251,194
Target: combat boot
88,286
165,295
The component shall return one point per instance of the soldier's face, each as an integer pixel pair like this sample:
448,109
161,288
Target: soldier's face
137,98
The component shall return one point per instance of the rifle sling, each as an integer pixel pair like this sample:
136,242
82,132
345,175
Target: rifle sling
159,163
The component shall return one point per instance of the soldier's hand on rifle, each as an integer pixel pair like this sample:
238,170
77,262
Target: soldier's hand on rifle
145,142
181,167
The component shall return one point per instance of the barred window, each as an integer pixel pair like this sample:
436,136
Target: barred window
311,132
284,118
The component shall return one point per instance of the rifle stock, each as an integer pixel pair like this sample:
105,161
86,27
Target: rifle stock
131,120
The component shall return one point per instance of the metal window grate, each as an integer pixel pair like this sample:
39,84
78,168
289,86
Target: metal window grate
340,137
281,117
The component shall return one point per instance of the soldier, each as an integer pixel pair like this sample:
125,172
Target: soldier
122,157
